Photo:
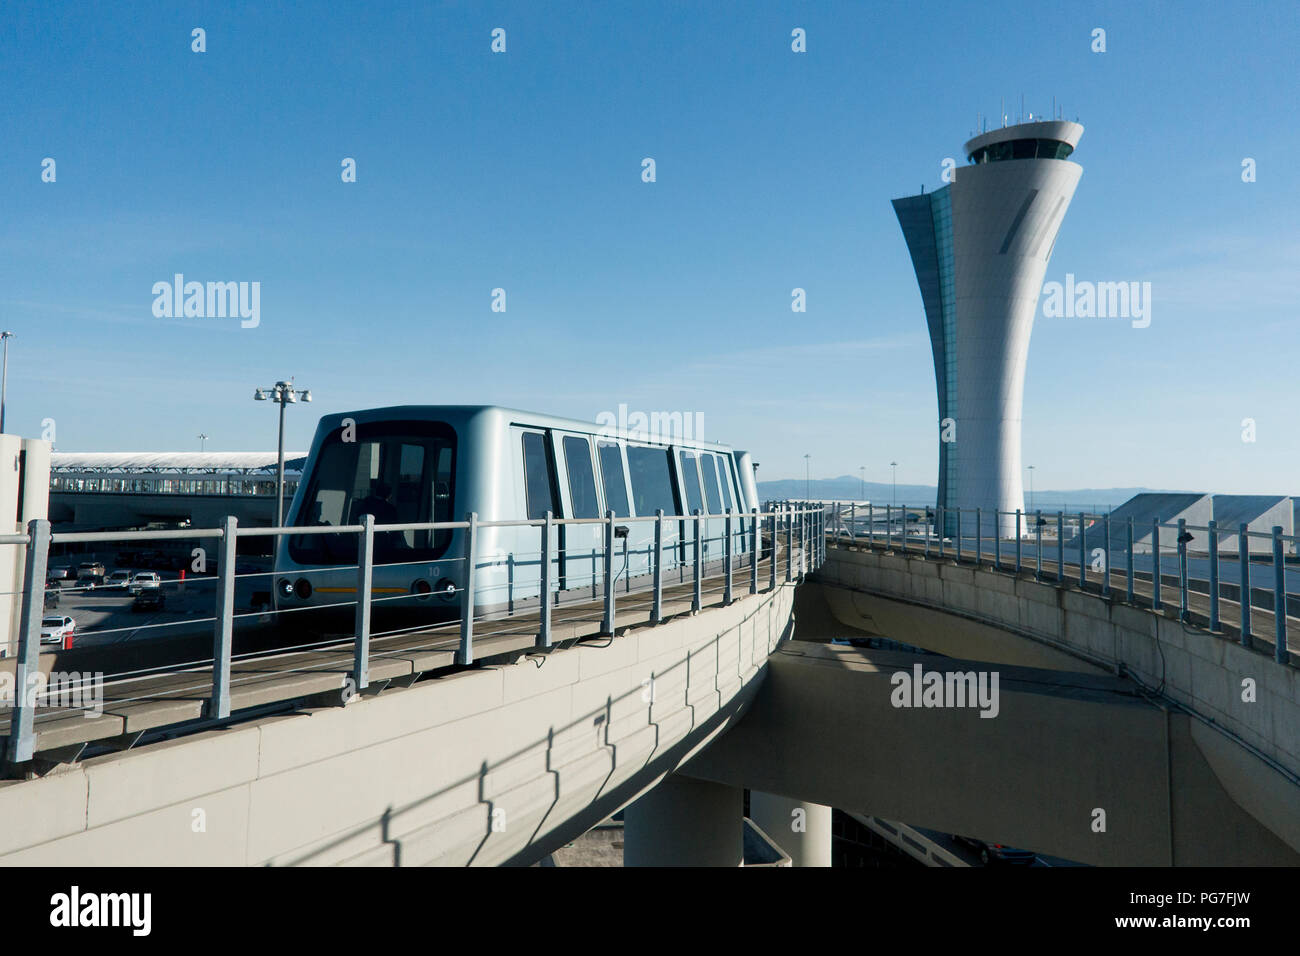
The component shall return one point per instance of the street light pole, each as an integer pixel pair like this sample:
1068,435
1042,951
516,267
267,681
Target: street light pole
203,441
1031,487
4,377
893,495
807,477
281,393
862,469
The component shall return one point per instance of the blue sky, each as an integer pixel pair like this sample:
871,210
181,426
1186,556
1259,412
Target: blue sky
522,171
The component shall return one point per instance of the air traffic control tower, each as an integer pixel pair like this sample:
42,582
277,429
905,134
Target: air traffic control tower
980,247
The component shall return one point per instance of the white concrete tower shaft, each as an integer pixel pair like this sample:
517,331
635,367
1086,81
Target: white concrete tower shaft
980,247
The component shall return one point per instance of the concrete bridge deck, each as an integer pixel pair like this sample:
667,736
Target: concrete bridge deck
319,675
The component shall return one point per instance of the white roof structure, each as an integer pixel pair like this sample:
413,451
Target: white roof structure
180,462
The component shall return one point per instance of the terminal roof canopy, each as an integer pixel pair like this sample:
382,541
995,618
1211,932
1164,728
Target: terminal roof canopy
179,462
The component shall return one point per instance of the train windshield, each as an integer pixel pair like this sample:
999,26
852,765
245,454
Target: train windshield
400,472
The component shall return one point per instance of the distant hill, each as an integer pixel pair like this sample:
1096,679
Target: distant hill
848,488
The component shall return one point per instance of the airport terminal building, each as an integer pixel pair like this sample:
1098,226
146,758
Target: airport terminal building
980,247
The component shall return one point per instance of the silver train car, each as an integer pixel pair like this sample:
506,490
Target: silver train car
434,463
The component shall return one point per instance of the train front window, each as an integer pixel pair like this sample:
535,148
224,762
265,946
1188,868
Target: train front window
399,472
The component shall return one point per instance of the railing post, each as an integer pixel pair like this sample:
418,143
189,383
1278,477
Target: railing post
1155,564
365,575
853,520
1017,541
607,625
544,587
1128,567
465,655
1083,552
22,719
697,599
1279,598
753,553
979,539
1060,546
1105,543
726,557
871,524
926,535
789,546
939,519
772,568
889,527
959,536
223,627
1214,575
1038,544
1243,556
1182,569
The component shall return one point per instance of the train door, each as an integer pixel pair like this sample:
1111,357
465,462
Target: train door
540,488
583,558
693,493
639,543
716,526
652,478
739,522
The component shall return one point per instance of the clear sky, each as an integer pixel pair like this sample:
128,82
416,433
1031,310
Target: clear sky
523,171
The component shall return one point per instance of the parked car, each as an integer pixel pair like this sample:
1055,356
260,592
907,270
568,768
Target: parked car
90,572
991,854
117,581
143,580
58,629
52,597
149,599
59,574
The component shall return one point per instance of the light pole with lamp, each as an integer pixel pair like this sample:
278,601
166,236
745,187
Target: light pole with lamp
862,470
807,476
203,441
1031,487
282,393
893,495
4,377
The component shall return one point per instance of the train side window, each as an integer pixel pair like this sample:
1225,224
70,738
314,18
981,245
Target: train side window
582,479
611,475
691,479
709,473
725,474
537,477
652,480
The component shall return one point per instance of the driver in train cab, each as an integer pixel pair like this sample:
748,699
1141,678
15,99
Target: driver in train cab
377,503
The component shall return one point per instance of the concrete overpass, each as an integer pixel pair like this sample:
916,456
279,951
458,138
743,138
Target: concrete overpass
504,761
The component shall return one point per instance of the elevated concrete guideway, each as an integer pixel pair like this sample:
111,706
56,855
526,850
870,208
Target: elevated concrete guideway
497,764
823,728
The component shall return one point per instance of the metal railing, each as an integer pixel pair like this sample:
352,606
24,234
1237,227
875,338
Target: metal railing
1088,543
743,539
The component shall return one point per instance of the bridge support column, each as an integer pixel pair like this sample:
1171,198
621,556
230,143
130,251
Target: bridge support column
802,829
685,822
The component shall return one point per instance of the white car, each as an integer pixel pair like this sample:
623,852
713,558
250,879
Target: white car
58,629
144,579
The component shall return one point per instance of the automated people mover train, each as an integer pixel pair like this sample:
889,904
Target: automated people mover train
432,463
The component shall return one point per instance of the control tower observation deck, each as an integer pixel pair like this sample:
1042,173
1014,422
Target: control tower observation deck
980,247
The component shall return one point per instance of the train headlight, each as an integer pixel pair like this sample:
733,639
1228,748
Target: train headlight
284,587
302,588
447,589
421,589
